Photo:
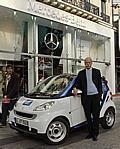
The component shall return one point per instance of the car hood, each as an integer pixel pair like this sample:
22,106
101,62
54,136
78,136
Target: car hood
27,104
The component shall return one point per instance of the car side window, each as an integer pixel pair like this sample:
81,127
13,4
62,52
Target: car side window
104,87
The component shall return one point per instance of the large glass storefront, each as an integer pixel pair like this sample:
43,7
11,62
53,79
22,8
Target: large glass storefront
38,47
13,42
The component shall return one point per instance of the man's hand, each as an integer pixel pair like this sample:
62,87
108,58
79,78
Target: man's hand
5,99
75,91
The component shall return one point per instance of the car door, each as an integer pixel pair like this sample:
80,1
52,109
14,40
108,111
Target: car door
76,109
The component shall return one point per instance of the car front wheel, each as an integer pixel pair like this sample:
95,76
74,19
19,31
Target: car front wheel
109,118
57,131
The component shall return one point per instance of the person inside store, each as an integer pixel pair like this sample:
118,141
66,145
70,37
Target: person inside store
10,93
89,82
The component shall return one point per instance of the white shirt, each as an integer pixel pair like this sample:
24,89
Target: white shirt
91,88
8,77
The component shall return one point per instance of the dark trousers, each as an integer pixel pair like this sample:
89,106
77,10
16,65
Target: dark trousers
92,112
6,107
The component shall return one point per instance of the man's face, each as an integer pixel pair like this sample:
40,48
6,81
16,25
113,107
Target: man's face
88,63
9,70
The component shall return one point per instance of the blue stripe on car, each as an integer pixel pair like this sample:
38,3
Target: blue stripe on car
66,90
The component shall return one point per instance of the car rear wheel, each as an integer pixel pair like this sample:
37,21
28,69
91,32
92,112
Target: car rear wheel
109,118
57,131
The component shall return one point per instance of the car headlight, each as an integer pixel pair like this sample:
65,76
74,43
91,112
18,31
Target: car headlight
44,106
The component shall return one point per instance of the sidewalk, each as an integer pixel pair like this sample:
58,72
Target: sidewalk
116,96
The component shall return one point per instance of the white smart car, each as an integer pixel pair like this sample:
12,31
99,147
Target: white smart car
51,109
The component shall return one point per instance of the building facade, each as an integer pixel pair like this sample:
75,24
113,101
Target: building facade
116,20
47,37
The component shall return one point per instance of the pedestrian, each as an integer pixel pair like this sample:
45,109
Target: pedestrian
89,82
10,93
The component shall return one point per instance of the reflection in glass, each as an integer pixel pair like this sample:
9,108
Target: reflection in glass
45,64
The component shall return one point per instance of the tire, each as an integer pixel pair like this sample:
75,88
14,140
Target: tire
57,131
108,120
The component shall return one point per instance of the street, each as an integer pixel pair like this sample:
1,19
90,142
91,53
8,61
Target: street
108,139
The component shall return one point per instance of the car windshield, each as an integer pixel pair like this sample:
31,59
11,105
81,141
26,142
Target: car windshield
51,86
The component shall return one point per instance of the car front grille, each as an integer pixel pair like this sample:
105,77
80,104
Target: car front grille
25,115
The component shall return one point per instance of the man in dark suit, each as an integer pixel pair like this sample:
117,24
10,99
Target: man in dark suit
10,93
89,82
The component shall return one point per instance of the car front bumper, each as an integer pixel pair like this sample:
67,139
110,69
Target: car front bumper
38,125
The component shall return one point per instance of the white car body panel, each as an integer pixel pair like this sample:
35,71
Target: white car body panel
107,104
77,112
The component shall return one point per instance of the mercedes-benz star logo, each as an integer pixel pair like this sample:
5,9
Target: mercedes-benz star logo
51,41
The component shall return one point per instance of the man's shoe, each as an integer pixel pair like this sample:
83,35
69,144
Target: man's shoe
95,138
88,137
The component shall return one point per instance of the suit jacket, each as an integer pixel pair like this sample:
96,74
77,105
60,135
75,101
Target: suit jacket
12,88
81,82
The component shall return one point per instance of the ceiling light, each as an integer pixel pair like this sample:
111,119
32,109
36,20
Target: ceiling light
46,1
73,10
79,13
54,3
14,13
84,15
89,17
61,6
67,8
